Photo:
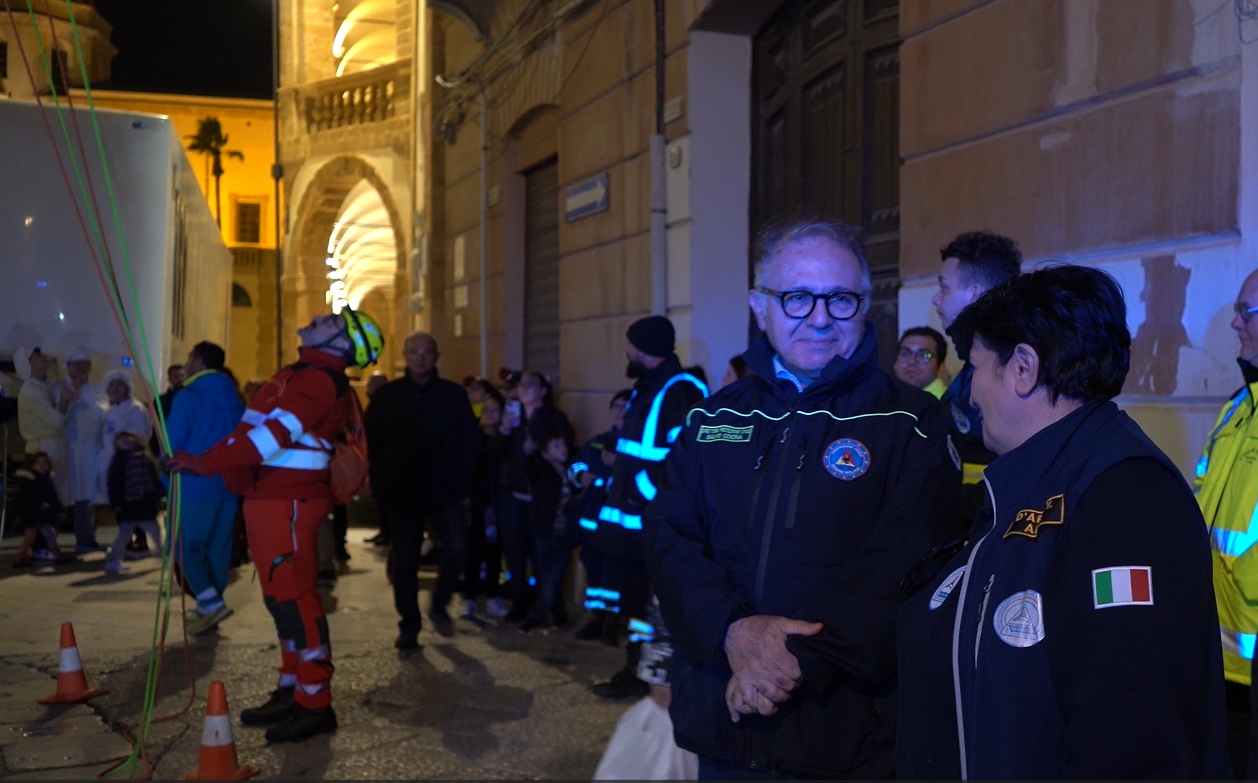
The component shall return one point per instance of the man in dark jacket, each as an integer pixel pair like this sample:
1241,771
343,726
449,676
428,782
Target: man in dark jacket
424,443
1075,635
796,499
662,395
973,263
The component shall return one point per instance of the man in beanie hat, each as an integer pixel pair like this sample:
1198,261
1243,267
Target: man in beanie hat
662,395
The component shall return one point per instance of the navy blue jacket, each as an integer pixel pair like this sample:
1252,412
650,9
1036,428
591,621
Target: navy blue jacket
1063,667
661,398
808,505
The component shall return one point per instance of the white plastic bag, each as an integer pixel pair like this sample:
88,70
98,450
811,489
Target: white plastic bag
642,748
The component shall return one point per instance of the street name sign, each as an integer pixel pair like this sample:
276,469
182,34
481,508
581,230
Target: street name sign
585,198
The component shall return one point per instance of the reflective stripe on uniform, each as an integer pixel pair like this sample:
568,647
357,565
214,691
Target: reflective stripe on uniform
646,449
299,459
1238,643
618,517
264,442
644,485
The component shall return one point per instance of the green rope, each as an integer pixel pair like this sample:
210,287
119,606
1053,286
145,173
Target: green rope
113,293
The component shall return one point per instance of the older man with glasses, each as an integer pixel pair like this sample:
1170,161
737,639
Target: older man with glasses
1227,491
794,503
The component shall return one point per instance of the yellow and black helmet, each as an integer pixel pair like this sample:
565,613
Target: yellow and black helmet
365,334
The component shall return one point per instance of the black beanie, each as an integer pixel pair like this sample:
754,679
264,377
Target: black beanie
653,335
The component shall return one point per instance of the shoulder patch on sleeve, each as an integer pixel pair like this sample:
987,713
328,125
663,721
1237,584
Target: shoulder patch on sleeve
1122,586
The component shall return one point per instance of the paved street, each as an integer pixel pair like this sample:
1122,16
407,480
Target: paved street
486,703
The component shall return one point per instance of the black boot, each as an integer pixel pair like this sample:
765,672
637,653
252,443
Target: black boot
278,707
624,684
594,628
302,724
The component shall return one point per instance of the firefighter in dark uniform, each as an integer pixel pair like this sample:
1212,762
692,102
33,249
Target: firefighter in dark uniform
1074,635
973,263
662,395
794,502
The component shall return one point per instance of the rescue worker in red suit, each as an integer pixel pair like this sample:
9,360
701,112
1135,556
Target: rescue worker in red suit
277,458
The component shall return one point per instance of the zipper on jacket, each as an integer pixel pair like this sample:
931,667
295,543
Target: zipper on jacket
755,495
982,611
771,518
956,636
793,503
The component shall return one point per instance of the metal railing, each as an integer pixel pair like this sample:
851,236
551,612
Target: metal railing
361,98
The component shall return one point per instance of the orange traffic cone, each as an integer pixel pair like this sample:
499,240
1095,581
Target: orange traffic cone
218,749
71,682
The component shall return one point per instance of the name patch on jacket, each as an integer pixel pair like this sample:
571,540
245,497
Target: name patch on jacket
1122,586
846,459
1029,520
723,433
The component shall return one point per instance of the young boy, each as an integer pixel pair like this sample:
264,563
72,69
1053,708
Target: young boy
38,507
552,540
134,492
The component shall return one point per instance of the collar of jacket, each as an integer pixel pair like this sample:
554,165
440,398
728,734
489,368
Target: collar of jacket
1248,371
432,377
194,378
322,359
1045,452
657,376
838,376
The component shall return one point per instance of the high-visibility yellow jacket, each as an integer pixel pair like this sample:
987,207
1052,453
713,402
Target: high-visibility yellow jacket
1227,490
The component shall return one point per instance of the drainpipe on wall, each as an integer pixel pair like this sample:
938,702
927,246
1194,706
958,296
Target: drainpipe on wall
277,173
484,231
659,193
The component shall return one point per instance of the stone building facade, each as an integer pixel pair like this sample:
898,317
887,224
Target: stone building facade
1109,132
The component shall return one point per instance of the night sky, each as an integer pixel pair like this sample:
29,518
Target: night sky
198,47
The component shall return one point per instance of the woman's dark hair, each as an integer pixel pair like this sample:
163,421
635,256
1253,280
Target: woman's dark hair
941,345
740,366
986,258
1073,316
492,392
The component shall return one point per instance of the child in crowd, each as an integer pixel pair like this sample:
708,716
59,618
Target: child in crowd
552,535
134,493
38,507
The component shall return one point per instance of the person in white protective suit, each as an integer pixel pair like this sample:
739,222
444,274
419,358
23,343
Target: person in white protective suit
40,420
125,414
84,406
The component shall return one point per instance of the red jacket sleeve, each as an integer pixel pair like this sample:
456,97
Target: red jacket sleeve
302,402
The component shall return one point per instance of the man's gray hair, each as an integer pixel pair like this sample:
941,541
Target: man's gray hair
777,235
420,336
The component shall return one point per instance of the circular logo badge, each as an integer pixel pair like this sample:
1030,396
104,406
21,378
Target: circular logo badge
846,459
962,421
1019,620
946,588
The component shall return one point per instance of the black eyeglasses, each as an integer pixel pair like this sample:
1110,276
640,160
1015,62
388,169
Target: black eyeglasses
841,305
909,355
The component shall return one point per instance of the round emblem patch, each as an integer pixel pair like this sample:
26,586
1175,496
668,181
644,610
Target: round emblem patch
1019,620
962,421
946,588
846,459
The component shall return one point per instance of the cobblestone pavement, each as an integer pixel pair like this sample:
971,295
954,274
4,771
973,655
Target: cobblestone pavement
484,703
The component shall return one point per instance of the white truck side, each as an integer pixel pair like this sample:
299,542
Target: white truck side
50,293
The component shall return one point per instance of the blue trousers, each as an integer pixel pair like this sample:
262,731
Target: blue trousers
204,551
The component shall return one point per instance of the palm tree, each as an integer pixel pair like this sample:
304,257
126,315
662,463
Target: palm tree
209,140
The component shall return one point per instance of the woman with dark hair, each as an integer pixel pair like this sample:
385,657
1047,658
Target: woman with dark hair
1074,634
532,414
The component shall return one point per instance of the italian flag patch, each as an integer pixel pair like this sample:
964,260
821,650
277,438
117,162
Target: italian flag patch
1122,586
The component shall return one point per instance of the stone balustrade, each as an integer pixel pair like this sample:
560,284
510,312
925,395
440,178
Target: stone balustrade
366,97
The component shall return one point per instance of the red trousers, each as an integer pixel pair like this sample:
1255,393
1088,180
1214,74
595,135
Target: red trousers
283,538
